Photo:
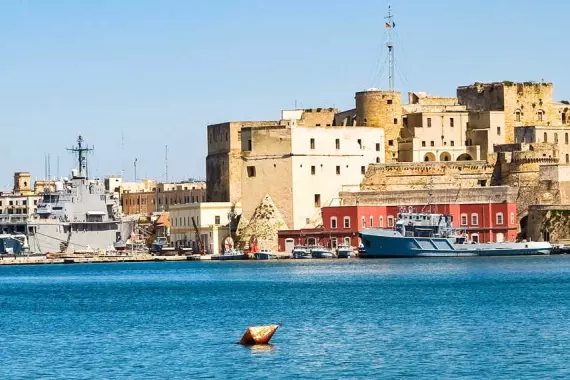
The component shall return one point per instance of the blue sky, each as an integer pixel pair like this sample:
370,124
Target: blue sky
160,71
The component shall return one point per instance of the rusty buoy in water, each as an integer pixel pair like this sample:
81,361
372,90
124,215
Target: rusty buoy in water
258,335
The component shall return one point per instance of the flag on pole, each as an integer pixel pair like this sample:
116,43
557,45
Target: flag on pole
388,25
392,25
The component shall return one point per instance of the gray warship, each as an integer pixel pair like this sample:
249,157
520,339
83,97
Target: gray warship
79,216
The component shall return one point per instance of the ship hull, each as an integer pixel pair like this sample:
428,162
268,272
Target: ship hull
390,244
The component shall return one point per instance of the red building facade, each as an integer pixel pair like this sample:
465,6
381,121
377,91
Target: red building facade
483,222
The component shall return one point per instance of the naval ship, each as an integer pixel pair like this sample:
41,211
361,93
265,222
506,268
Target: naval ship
80,215
433,235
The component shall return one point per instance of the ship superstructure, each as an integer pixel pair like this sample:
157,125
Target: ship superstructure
80,215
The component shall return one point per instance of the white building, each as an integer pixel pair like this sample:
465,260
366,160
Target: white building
304,167
212,221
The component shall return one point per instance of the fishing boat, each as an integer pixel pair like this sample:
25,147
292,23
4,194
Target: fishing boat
300,252
345,251
265,254
433,235
319,252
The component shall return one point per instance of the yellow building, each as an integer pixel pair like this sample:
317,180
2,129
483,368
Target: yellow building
212,221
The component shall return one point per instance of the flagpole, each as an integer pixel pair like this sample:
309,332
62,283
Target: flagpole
390,24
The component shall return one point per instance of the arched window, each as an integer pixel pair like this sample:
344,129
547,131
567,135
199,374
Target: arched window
463,219
347,222
371,221
333,223
540,115
545,137
381,222
499,218
517,115
474,219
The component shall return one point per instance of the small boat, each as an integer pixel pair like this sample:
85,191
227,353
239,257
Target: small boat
258,335
301,252
321,253
265,254
231,254
345,252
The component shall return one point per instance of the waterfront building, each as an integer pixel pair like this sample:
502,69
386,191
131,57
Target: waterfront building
213,222
162,197
23,200
486,215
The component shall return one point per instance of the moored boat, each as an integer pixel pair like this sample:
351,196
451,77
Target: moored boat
265,254
319,252
345,251
230,254
300,252
433,235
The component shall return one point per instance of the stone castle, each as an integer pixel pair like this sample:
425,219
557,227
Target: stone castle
505,135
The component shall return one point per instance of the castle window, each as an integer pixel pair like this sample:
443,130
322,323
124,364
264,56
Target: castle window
337,143
474,219
391,142
452,143
338,170
377,147
371,221
563,117
512,218
431,143
317,200
517,115
381,221
429,122
499,218
363,170
390,221
540,115
389,101
556,138
377,160
545,137
363,222
333,223
312,170
566,138
451,122
423,143
395,120
251,171
463,219
312,143
347,222
498,131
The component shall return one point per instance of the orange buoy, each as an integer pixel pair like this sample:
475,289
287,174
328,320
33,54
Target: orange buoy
258,335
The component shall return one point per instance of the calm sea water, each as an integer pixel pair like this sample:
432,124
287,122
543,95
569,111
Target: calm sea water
427,318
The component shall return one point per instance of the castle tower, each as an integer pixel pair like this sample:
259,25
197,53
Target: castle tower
381,109
22,182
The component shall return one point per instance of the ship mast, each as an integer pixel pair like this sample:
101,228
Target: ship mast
390,25
81,151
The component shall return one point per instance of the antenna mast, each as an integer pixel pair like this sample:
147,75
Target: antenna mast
81,152
166,162
390,24
135,165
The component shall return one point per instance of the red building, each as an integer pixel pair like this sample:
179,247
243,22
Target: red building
483,222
